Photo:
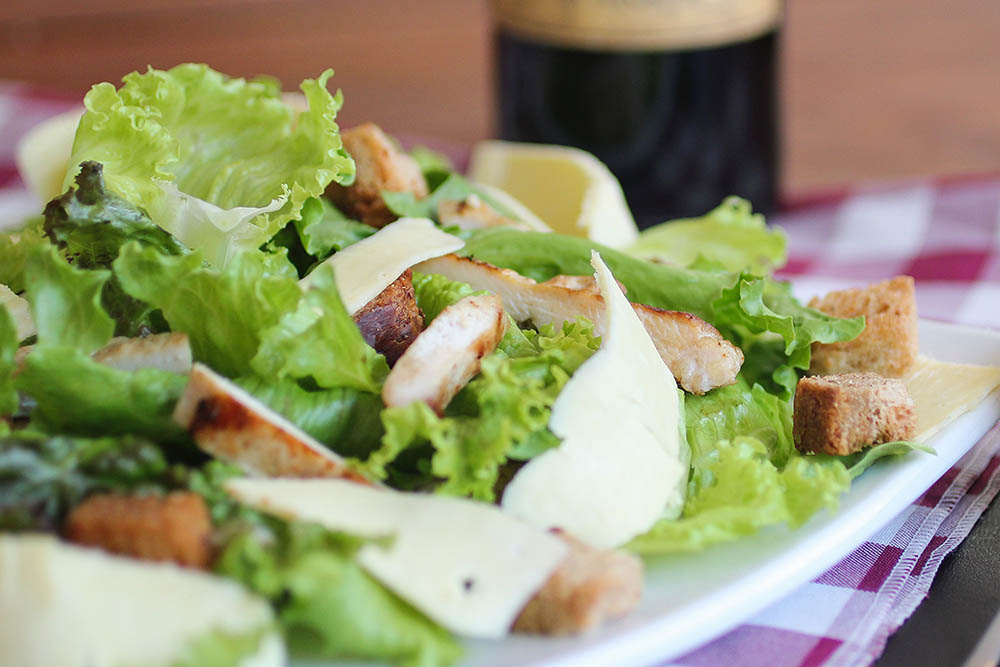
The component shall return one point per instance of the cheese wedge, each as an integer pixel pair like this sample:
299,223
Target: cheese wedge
20,311
944,391
68,605
366,268
622,463
467,565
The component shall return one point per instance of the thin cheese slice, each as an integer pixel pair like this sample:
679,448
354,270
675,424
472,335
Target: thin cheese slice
366,268
467,565
20,311
944,391
42,156
67,605
622,464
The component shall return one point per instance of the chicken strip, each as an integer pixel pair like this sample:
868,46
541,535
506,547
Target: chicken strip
473,213
447,354
696,353
392,321
175,527
166,351
590,587
232,425
381,165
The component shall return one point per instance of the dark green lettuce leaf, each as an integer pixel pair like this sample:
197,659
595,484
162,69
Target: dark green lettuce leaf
323,229
66,301
76,395
8,348
42,477
344,419
15,246
224,312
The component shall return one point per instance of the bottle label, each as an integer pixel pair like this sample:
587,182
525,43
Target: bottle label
638,25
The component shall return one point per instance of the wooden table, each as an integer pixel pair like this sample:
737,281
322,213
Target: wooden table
872,90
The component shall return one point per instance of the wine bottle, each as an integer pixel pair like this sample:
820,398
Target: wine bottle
677,97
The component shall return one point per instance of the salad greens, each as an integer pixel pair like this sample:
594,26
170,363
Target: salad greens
197,207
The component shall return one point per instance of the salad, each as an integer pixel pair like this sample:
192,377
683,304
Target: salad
220,305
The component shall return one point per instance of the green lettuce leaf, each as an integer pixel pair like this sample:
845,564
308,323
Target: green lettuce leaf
444,186
858,462
220,163
328,607
736,490
739,410
323,229
42,477
8,349
76,395
345,420
66,302
224,312
501,415
319,340
15,246
730,235
90,225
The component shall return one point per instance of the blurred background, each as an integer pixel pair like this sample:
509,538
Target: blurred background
882,90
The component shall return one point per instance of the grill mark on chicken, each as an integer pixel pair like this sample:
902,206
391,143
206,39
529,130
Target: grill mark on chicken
696,353
392,320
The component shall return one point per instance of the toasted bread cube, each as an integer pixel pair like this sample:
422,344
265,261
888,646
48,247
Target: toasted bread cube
175,527
589,588
887,346
843,414
381,165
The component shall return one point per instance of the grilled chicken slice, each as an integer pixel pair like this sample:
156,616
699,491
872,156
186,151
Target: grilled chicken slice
447,354
392,320
473,213
589,588
232,425
381,165
175,527
696,353
166,351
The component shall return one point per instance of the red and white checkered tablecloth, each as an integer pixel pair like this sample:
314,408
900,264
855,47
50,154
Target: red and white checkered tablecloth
946,234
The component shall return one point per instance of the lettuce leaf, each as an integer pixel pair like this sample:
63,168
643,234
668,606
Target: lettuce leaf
730,235
220,163
736,490
224,312
8,350
739,410
76,395
42,477
15,246
328,607
319,340
66,301
858,462
345,420
501,414
323,229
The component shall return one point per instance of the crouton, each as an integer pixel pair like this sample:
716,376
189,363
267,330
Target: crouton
175,527
392,320
887,346
842,414
590,587
381,165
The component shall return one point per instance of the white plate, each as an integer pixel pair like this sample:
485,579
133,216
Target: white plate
691,599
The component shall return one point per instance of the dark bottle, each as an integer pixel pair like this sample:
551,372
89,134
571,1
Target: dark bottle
677,97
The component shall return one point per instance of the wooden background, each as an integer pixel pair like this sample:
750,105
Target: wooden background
872,89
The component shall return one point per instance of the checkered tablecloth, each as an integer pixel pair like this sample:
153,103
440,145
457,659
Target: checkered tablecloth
946,234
